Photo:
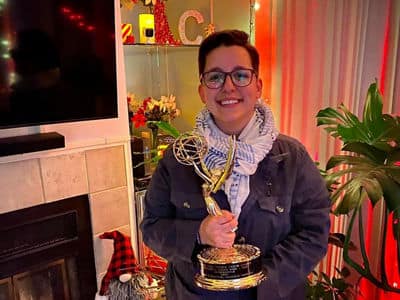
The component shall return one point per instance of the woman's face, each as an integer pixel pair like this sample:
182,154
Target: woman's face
231,106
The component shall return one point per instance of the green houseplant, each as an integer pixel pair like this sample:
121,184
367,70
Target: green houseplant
155,155
320,285
367,170
330,288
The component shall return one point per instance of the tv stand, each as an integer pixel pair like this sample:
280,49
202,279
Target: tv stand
31,143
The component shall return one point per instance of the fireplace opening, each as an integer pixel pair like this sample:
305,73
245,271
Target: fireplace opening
46,252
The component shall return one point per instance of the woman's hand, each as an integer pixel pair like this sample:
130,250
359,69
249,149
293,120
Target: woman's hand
218,231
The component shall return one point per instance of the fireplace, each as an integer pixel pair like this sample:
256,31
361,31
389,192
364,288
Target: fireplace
46,252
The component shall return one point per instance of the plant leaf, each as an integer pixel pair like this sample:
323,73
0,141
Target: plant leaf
351,199
340,284
355,133
391,190
167,128
338,238
329,113
374,154
373,189
326,278
373,107
348,159
350,119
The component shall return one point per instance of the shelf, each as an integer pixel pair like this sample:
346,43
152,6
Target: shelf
161,45
157,49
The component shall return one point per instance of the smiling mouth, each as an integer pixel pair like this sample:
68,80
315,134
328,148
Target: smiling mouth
229,102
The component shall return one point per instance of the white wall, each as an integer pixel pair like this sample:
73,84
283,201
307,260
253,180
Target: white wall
96,136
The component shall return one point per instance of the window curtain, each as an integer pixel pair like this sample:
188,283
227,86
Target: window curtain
319,53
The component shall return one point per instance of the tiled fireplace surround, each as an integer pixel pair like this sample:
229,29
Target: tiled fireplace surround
100,173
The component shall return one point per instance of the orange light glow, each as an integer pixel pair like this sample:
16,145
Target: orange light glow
265,43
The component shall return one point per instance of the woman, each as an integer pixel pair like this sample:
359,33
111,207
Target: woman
274,199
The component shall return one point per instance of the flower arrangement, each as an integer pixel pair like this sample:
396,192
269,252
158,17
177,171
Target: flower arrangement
154,114
151,110
149,2
129,4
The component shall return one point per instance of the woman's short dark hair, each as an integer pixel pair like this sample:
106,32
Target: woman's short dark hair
231,37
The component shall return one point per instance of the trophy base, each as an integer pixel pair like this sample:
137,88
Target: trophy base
235,268
229,284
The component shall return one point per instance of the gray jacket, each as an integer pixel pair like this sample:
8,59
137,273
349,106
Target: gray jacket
286,215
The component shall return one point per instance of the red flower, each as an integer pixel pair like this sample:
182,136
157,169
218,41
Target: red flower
145,103
397,163
150,109
139,119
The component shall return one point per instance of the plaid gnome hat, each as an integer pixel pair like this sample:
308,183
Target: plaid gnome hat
122,261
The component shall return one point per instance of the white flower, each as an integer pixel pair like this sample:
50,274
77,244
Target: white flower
150,2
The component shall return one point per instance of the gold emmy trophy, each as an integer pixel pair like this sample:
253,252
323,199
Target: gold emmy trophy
235,268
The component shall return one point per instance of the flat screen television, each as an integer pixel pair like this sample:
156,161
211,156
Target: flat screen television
57,61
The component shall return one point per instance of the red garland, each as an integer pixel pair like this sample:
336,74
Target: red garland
163,32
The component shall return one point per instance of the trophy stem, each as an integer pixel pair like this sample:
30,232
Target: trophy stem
212,206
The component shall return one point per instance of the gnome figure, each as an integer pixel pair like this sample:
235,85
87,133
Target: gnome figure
123,262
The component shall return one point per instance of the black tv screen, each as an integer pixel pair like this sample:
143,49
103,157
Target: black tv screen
57,61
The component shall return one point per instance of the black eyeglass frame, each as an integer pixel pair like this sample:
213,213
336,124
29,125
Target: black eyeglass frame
253,72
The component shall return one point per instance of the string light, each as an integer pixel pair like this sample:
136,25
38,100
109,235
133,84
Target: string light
65,10
12,78
76,18
252,22
4,43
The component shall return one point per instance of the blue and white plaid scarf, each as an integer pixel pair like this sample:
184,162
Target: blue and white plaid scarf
253,144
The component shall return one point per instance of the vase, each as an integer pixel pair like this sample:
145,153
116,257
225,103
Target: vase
154,137
132,128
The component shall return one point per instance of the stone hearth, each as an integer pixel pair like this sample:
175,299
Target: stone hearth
100,173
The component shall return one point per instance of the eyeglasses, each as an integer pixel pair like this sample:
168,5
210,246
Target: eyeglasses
216,79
